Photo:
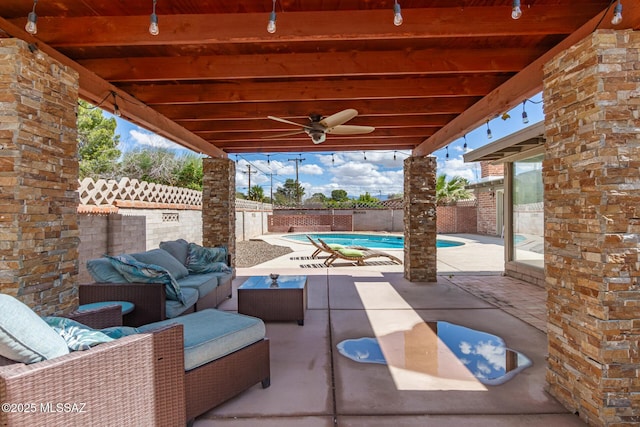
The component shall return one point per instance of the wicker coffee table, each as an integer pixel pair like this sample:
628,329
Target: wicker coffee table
288,301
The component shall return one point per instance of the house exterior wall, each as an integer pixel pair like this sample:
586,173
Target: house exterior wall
591,176
38,180
459,218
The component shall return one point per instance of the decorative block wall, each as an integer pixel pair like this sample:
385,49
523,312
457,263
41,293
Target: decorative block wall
38,179
219,204
420,219
591,175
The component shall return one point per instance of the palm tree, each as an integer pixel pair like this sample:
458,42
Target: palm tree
451,191
256,193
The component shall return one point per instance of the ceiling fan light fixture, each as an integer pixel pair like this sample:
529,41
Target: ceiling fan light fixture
32,18
516,12
617,14
154,30
397,14
271,26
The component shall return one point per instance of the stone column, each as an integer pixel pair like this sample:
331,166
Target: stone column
219,204
591,174
420,219
38,179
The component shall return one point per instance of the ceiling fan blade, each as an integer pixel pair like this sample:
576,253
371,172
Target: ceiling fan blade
338,118
278,119
350,130
282,135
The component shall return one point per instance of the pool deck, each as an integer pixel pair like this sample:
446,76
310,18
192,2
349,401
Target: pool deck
313,385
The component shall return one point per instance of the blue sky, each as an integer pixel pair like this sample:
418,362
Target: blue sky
375,172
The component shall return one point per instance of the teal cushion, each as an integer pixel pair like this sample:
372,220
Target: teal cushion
211,334
137,272
355,253
24,336
163,259
76,335
204,283
176,308
103,272
207,260
178,248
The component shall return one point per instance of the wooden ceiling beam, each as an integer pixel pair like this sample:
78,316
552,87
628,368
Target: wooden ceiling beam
309,26
225,92
260,135
325,64
94,89
523,85
352,143
390,121
283,110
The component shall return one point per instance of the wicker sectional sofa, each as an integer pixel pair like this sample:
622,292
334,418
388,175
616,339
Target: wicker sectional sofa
166,373
152,304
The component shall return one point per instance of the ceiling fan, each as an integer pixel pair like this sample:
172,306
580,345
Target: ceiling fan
319,127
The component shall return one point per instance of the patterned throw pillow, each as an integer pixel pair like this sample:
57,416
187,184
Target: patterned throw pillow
120,331
137,272
76,335
207,260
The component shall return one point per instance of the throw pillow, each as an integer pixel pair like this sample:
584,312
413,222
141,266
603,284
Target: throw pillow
137,272
165,260
24,336
207,260
76,335
120,331
178,248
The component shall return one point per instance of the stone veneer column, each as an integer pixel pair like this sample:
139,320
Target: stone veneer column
420,219
591,174
38,179
219,204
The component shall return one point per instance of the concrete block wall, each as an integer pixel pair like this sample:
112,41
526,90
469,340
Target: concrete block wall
38,179
168,224
591,176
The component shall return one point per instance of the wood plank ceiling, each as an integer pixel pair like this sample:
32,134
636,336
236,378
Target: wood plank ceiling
213,74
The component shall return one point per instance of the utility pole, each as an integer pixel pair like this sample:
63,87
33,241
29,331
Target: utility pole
249,172
298,161
271,175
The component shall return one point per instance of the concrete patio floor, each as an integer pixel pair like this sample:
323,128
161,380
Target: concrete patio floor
312,384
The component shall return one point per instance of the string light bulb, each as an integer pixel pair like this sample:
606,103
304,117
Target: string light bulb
397,14
446,155
489,134
617,14
516,12
465,141
116,109
394,155
333,160
365,155
32,18
154,30
525,117
271,26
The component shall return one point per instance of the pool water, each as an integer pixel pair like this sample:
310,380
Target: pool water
470,352
367,240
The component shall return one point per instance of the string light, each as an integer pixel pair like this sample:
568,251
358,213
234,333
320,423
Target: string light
271,26
397,14
154,30
516,12
489,134
116,109
446,155
617,14
394,155
268,159
31,26
465,141
333,160
365,155
525,118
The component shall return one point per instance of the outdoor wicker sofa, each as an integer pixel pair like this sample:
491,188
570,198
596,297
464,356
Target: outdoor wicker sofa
114,380
135,380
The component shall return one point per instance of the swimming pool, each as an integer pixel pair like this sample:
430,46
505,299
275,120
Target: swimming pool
367,240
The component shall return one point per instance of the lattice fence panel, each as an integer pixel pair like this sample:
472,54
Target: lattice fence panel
105,192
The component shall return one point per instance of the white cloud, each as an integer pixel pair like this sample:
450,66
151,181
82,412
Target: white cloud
309,169
152,140
457,166
465,347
